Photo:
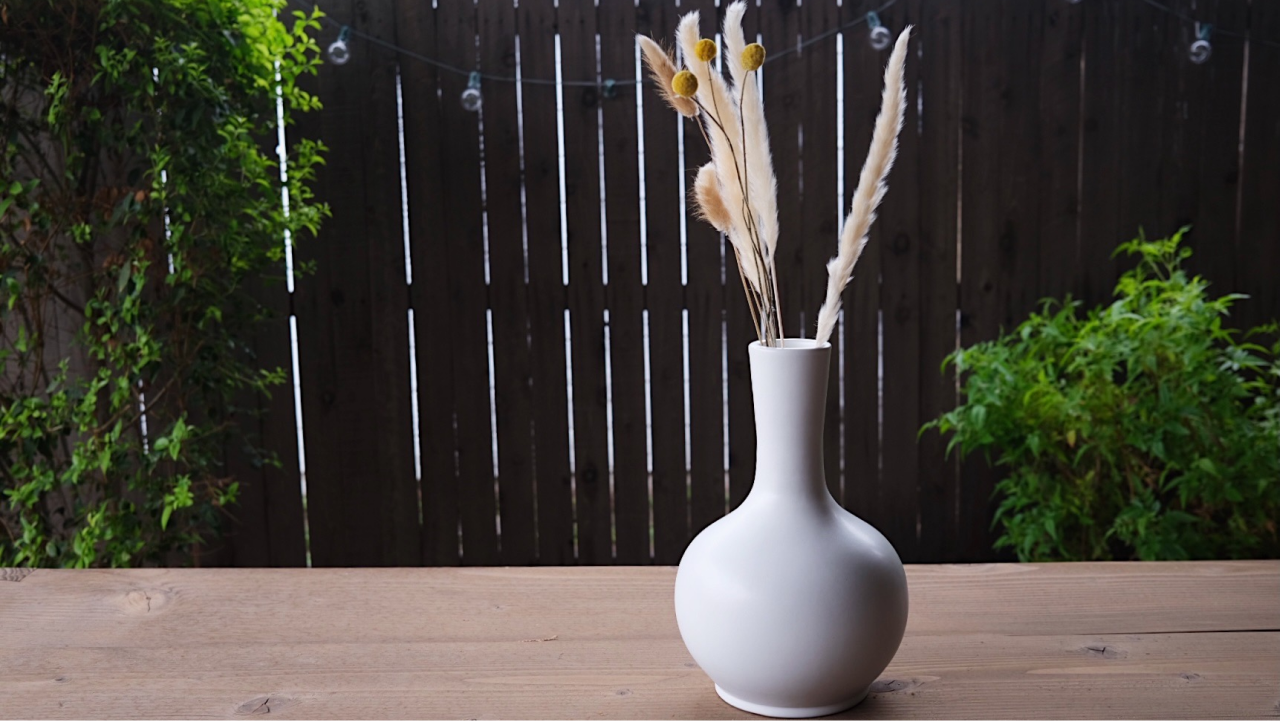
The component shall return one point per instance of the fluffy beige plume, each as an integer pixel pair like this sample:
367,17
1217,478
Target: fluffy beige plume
706,190
662,67
710,201
762,190
871,188
716,102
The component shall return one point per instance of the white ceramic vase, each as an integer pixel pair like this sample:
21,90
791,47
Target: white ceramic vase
791,604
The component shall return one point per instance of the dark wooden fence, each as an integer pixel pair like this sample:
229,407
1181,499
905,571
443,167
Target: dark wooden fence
1040,133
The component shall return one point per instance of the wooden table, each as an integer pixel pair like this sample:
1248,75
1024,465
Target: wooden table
1138,640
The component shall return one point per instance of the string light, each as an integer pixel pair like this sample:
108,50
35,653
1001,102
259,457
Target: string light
471,98
339,53
1200,49
879,37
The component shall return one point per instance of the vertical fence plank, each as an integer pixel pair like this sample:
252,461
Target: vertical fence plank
416,32
1206,120
268,529
463,249
665,299
1130,49
353,335
507,290
1000,241
900,292
704,297
819,230
537,24
1059,132
625,294
1150,54
1103,104
1259,245
586,290
937,177
861,357
740,334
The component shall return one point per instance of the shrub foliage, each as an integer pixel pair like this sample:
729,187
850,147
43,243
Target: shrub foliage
1146,429
141,192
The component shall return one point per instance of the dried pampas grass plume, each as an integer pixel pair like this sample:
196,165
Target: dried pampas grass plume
662,66
706,191
736,193
711,208
871,188
763,191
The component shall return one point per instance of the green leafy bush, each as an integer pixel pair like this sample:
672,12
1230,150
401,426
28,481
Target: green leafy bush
1145,429
141,191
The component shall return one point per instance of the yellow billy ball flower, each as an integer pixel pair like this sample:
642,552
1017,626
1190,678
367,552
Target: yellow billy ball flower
752,57
705,50
684,84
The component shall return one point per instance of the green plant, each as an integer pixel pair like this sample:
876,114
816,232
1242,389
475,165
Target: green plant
140,193
1145,429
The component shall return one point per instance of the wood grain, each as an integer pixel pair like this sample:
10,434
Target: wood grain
462,244
1259,225
593,509
665,302
438,489
508,292
555,526
937,175
624,293
1154,640
353,335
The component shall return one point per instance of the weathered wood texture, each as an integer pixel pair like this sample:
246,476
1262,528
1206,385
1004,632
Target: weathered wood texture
1138,640
557,264
353,339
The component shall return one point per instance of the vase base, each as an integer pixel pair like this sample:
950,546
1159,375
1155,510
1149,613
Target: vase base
790,711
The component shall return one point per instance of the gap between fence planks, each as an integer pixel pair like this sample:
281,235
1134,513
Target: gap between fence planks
1136,640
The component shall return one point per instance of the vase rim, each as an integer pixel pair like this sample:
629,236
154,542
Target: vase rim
791,344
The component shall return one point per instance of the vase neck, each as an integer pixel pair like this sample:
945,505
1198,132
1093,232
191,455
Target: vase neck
789,385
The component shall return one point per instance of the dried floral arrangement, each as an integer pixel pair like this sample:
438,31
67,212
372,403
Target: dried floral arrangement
737,191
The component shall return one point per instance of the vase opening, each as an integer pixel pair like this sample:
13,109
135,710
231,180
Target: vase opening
792,344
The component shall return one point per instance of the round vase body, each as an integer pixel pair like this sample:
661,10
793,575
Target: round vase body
791,604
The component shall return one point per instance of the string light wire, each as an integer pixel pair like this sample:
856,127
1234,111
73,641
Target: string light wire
607,84
1216,30
773,56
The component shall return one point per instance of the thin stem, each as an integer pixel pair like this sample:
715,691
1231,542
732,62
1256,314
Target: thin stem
752,231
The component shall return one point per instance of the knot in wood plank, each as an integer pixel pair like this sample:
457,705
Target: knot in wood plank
263,705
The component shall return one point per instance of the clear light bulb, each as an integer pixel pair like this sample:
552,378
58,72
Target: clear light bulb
1199,52
471,97
879,37
339,53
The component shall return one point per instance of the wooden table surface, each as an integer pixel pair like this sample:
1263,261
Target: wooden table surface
1134,640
